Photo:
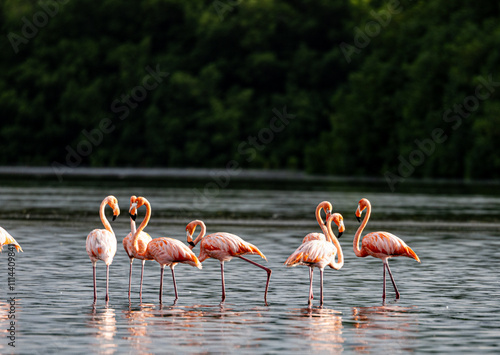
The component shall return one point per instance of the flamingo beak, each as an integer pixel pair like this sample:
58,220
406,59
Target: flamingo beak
114,217
133,216
340,235
359,219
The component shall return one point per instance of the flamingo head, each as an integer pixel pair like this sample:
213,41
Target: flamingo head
326,206
141,201
133,207
339,221
190,228
112,202
363,203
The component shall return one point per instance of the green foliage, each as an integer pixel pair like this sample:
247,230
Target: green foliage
228,67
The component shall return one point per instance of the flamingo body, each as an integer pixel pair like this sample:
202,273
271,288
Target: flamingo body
313,236
386,245
6,238
169,252
101,245
314,253
225,246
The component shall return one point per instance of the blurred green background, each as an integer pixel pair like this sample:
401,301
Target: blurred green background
357,88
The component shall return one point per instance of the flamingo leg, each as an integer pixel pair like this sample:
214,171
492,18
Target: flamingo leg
309,301
175,286
392,279
223,285
107,283
383,292
161,281
321,287
95,286
142,275
269,271
130,277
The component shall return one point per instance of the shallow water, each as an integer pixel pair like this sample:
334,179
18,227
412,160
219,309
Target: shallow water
449,302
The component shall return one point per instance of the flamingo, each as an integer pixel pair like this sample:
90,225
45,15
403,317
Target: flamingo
135,250
166,251
223,247
6,238
327,207
320,252
382,245
101,243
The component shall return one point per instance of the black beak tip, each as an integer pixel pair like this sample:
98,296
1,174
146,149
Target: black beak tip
133,216
358,218
192,244
114,217
340,235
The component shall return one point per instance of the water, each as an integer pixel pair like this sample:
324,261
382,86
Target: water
449,302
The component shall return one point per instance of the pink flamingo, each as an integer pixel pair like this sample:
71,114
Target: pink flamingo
166,251
382,245
320,252
223,247
6,238
327,207
135,248
101,243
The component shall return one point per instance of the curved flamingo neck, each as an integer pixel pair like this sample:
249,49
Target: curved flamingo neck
320,221
202,232
357,236
104,220
340,256
133,228
143,225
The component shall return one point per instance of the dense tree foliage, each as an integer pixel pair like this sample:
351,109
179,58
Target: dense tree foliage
376,88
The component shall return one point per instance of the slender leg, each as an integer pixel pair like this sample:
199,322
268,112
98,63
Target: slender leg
321,287
175,285
142,275
107,283
130,277
383,292
392,279
309,301
223,285
161,281
95,286
269,271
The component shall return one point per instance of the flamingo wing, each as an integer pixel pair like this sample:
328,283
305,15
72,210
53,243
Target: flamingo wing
167,251
383,244
314,252
313,236
6,238
225,246
101,245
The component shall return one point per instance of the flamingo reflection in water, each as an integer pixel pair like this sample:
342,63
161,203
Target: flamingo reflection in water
104,322
395,326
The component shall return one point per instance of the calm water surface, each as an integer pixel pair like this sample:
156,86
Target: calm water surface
449,304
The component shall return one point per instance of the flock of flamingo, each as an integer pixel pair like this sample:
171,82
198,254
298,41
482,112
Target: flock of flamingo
317,249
